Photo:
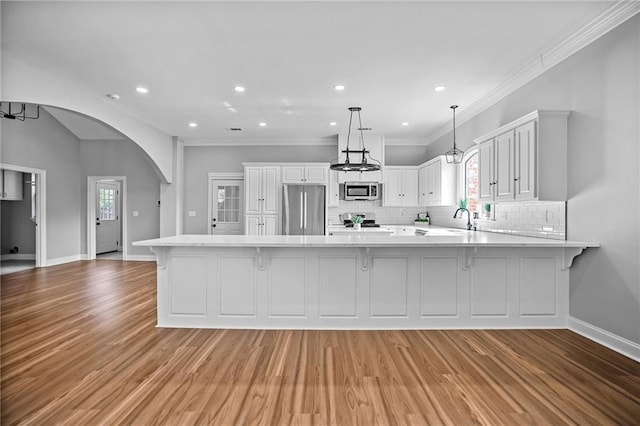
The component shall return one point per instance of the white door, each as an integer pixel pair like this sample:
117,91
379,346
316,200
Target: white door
227,207
107,217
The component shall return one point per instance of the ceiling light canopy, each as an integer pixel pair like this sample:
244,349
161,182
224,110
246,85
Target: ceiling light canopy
21,114
439,88
239,89
364,165
193,125
333,123
454,155
339,87
262,124
141,89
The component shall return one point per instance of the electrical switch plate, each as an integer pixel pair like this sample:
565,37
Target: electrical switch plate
191,213
136,213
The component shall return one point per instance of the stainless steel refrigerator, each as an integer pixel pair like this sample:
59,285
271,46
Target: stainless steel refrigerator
303,210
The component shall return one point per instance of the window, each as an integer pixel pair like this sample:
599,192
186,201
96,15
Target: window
470,179
107,204
229,203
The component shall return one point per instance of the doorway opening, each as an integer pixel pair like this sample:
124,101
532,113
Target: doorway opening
22,217
106,217
226,204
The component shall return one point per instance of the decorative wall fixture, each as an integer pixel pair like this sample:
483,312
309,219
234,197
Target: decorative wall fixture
364,165
6,111
454,155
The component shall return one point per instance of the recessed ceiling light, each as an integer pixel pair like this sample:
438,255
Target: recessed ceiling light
339,87
439,88
113,96
239,89
141,89
192,124
262,124
333,123
405,124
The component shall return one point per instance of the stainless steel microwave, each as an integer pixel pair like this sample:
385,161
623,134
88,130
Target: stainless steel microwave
360,191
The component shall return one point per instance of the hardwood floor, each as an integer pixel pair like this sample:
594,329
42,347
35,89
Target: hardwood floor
79,346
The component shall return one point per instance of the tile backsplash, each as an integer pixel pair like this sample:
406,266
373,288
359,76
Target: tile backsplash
532,219
541,219
384,215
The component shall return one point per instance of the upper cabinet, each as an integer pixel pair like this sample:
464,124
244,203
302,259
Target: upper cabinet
262,189
400,186
374,144
437,183
316,173
11,185
525,159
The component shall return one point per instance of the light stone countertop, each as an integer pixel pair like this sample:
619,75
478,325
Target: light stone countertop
439,238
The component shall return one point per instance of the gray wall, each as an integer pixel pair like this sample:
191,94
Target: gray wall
200,160
123,158
601,86
45,144
18,230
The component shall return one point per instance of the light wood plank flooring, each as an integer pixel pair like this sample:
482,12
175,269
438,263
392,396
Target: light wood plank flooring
79,346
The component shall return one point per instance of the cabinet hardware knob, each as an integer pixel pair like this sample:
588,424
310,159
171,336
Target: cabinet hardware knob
515,179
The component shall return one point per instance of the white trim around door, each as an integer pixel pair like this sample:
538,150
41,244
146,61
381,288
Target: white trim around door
41,209
91,213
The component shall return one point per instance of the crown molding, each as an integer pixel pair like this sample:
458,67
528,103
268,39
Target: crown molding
605,21
329,141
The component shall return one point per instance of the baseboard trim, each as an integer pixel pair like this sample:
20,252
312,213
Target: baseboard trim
18,256
141,258
612,341
64,259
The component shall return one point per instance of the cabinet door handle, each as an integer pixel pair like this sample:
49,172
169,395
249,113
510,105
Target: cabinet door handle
515,179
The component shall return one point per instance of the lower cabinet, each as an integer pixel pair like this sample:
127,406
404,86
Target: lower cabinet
261,224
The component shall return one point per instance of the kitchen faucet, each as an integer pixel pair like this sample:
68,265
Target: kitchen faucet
469,226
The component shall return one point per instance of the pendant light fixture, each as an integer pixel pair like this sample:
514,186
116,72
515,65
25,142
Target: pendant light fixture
454,156
361,154
20,115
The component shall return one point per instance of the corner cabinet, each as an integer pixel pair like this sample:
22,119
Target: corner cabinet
437,183
262,198
374,144
400,187
525,159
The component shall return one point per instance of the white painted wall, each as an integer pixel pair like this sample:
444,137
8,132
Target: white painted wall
123,158
45,144
601,85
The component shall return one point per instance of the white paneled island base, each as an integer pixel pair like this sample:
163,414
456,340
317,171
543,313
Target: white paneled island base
363,283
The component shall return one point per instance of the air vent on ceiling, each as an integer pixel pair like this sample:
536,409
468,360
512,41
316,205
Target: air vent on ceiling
234,129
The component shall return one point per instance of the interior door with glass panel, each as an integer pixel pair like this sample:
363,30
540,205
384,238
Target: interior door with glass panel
108,216
227,213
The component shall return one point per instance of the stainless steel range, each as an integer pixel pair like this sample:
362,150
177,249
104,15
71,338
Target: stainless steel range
369,220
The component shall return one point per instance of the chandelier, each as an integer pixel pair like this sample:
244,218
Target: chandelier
360,154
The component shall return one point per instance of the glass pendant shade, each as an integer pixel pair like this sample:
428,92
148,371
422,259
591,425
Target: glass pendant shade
361,154
454,155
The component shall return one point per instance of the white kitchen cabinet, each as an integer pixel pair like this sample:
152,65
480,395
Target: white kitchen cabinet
333,189
315,173
261,224
437,183
374,144
400,186
525,159
11,185
262,197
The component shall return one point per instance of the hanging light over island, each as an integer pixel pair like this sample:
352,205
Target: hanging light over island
364,165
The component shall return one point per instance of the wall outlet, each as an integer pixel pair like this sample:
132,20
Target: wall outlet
136,213
192,214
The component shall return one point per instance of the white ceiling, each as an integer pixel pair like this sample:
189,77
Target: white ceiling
289,55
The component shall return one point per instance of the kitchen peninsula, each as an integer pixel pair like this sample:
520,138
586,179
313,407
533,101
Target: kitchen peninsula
463,280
